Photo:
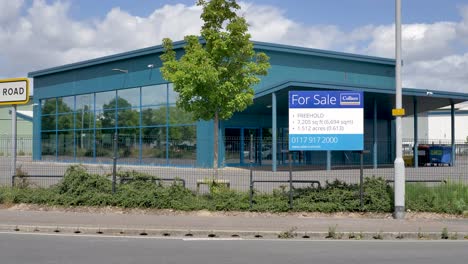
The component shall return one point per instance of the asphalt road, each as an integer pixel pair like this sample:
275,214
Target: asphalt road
37,249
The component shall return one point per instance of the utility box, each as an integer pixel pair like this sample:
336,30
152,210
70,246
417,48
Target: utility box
440,155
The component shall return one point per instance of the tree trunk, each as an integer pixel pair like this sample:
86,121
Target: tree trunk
215,148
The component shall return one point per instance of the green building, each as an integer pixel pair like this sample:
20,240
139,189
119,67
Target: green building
24,128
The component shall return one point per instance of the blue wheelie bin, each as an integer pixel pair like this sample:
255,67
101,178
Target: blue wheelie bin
423,155
440,155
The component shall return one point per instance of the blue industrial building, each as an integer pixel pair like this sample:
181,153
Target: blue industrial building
81,106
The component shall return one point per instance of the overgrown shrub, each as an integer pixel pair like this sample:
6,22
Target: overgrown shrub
377,195
80,188
224,199
338,196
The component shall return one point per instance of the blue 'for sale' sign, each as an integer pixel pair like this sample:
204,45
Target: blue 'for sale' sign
326,120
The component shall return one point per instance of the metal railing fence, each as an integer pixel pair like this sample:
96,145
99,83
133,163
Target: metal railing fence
255,170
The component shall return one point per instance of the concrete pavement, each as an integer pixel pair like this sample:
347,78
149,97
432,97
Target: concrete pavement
230,224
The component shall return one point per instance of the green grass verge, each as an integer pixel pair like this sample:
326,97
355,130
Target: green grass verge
449,198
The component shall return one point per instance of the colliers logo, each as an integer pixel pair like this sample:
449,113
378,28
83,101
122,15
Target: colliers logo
350,99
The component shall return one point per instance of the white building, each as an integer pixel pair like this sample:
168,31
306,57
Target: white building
435,126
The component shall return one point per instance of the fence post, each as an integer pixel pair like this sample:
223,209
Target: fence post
13,140
251,172
361,179
290,182
114,167
251,186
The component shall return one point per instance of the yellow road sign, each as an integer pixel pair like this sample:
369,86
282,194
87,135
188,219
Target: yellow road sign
14,91
398,112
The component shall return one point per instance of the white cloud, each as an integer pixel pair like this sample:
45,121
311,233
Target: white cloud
449,72
10,10
462,28
42,34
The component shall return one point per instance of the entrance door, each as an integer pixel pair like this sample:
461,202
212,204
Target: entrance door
242,146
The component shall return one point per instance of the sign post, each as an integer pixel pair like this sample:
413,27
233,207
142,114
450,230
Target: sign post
14,92
326,120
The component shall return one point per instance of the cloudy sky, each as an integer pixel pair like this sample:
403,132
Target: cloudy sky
37,34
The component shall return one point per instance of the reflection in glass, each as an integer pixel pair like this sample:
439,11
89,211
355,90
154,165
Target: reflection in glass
65,145
154,115
65,104
173,95
129,140
84,140
84,120
65,121
128,117
85,102
179,116
182,145
154,95
105,118
48,106
128,98
48,144
105,100
48,122
153,146
104,145
84,126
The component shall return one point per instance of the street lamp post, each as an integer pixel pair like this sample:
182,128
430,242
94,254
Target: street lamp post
399,206
114,158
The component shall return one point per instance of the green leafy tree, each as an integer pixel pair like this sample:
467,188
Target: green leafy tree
215,76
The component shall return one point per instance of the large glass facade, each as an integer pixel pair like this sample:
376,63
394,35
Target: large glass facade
144,123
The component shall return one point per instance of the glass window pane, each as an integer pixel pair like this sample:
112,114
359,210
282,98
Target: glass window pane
128,117
128,146
48,122
182,145
233,148
179,116
173,95
154,95
85,102
104,145
154,116
65,104
153,146
128,98
48,145
65,121
48,106
84,140
105,100
65,145
84,120
105,118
